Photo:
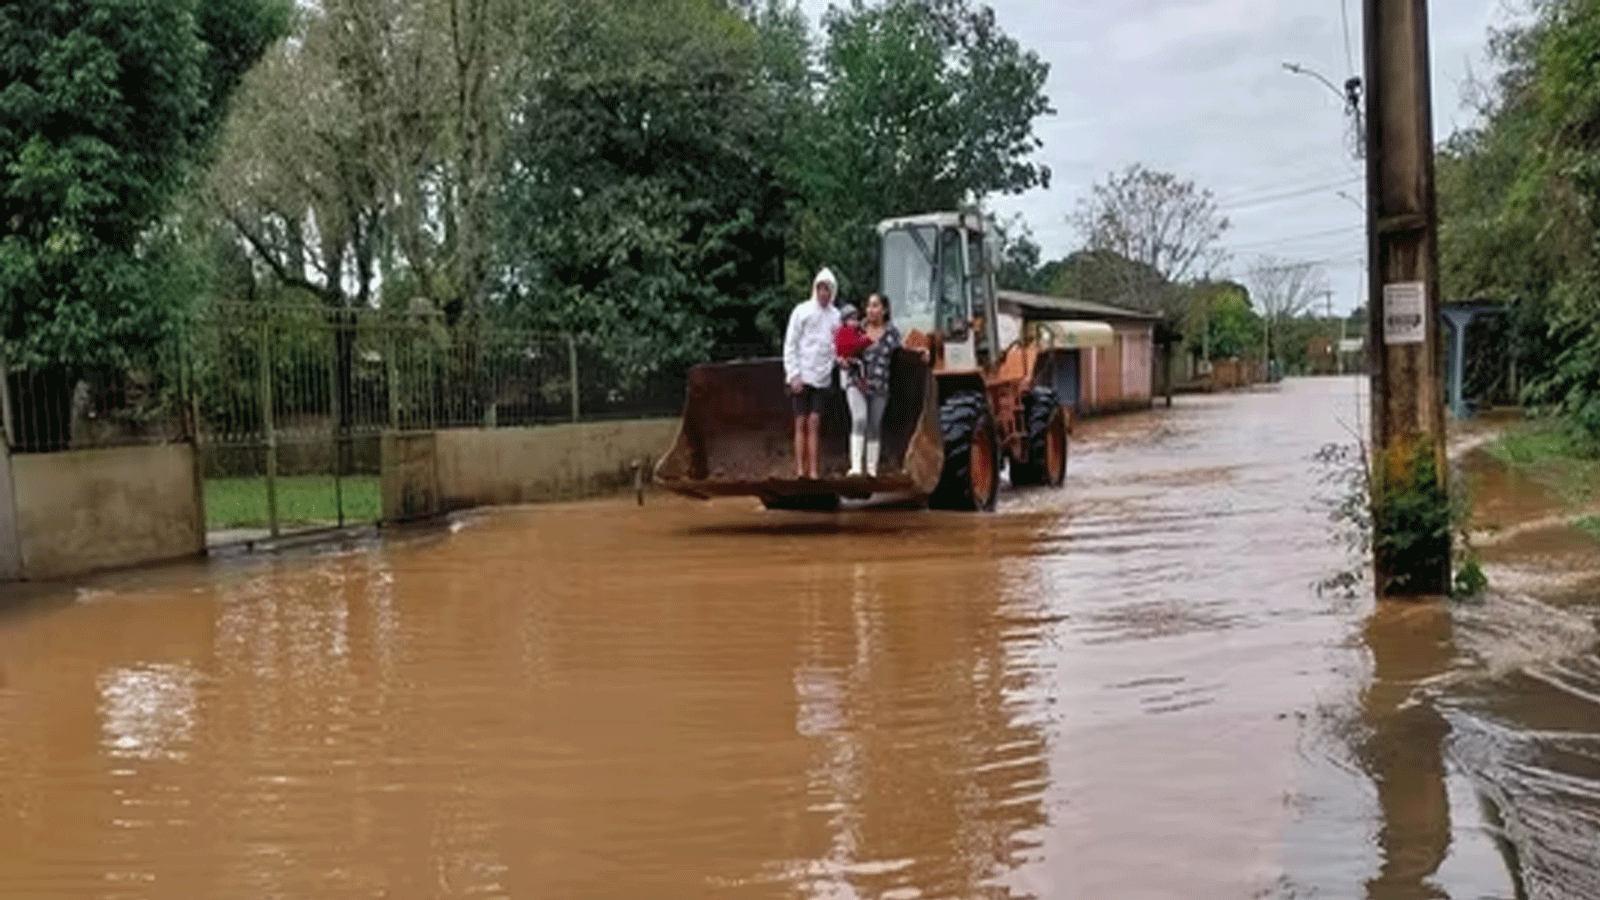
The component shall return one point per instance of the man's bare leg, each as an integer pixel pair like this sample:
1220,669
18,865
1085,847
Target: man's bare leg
814,438
800,444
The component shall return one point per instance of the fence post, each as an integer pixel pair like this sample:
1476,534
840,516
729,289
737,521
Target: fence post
572,366
5,399
189,405
335,408
394,379
267,427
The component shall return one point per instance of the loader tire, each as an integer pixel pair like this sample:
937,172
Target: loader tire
1047,441
971,478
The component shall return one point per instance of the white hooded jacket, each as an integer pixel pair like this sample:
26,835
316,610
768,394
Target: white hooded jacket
808,341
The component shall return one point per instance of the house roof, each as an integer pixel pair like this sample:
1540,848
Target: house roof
1038,306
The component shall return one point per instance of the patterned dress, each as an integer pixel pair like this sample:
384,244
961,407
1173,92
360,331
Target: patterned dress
876,358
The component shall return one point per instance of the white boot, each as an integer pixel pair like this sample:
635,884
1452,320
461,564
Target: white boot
872,458
856,441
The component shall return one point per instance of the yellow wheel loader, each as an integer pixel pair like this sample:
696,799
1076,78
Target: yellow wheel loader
978,403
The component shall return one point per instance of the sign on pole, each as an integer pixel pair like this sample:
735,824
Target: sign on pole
1405,312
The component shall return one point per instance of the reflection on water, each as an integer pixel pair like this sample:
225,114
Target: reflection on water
148,712
1126,688
497,715
1403,749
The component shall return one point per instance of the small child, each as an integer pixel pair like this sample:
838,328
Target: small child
848,342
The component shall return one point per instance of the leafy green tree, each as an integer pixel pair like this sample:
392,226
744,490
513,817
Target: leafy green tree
643,209
1231,327
1518,217
1020,268
110,108
1104,276
925,105
367,152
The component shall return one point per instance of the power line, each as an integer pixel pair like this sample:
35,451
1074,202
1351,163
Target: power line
1263,192
1325,180
1286,195
1291,239
1332,262
1292,253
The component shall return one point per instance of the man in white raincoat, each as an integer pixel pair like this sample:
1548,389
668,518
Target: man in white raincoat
808,364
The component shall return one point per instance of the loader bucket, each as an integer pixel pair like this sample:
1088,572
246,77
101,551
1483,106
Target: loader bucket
736,436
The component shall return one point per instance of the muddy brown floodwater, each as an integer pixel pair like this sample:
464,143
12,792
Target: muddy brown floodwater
1126,688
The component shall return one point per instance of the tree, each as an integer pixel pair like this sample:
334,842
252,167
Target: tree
925,105
363,167
1168,225
1282,290
1103,276
368,151
110,108
1020,269
1232,327
643,209
1517,217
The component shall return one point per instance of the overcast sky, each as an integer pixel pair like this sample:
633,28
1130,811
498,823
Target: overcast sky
1197,88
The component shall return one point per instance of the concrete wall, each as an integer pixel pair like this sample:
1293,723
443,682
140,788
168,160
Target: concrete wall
410,483
85,510
431,472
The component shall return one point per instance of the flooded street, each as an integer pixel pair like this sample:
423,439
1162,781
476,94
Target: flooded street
1130,687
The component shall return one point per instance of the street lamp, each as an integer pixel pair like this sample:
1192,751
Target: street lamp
1350,97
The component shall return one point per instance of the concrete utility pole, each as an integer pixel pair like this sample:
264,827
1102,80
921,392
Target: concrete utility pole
1403,284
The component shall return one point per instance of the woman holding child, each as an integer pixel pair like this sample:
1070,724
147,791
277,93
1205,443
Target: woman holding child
865,352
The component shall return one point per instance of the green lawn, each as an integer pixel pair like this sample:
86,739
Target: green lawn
302,500
1550,453
1566,465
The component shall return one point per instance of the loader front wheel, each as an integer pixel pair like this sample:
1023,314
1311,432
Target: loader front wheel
971,477
1047,441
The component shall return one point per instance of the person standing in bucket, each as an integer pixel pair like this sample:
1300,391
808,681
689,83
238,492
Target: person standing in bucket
808,366
874,384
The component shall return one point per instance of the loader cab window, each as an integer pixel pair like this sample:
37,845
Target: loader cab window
906,276
982,264
955,308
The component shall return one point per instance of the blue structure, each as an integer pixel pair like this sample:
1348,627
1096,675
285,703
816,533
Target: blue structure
1458,317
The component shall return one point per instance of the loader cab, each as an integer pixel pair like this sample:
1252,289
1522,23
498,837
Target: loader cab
937,270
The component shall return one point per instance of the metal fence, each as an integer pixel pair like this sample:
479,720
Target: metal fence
286,406
46,409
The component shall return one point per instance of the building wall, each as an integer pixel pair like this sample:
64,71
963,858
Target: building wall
1119,376
429,473
1231,374
85,510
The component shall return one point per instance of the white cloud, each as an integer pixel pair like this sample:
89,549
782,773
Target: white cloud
1176,26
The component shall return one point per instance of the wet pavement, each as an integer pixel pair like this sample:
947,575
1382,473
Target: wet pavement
1130,687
